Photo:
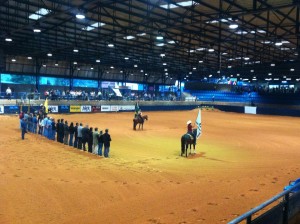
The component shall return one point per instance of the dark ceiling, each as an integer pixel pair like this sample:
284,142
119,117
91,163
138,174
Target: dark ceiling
267,33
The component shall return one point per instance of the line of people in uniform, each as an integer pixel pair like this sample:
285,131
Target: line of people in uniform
83,138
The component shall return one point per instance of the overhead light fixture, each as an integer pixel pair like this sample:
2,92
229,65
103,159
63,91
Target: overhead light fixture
112,67
141,34
126,58
129,37
135,66
92,68
29,57
56,64
229,66
78,69
171,42
233,26
194,68
210,76
75,50
110,45
159,38
37,29
292,69
162,55
278,43
121,71
75,62
44,65
80,15
270,74
142,70
251,70
272,65
160,44
200,61
164,63
166,73
8,39
146,74
13,60
211,50
49,54
165,69
98,60
246,58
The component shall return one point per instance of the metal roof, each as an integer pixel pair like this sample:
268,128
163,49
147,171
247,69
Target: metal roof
188,28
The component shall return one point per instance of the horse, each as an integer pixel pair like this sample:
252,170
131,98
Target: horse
186,141
139,120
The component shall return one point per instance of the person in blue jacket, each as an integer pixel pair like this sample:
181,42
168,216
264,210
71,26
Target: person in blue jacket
23,128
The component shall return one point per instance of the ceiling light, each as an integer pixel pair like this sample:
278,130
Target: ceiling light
112,67
75,62
146,74
162,55
200,61
29,58
246,58
160,44
49,54
164,63
78,69
135,66
171,42
110,45
129,37
92,68
251,70
8,39
224,53
190,73
98,60
270,74
166,73
229,66
233,26
194,68
80,15
121,71
211,50
37,30
210,76
272,65
141,34
278,43
142,70
126,58
159,38
165,69
44,65
13,60
292,69
237,74
76,50
56,64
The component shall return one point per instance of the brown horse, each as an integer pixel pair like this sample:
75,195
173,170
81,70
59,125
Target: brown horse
139,120
186,141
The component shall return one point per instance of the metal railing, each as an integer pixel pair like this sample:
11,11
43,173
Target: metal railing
287,195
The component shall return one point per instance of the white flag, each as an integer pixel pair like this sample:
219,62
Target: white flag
198,123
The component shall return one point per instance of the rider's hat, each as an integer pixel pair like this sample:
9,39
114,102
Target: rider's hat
189,122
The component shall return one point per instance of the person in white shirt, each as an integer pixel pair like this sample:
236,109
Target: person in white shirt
8,93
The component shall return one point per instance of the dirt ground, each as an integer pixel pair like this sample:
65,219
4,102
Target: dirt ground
241,161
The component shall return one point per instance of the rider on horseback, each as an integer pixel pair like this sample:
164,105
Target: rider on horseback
190,130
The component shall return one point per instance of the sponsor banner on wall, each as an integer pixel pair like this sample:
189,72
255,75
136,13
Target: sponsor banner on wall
250,110
11,109
114,108
52,108
126,107
96,109
75,108
105,108
2,109
86,108
63,109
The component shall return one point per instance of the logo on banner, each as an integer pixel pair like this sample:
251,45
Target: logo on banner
105,108
86,108
114,108
75,108
1,109
52,109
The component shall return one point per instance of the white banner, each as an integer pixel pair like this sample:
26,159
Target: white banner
86,108
52,109
127,107
1,109
105,108
250,110
114,108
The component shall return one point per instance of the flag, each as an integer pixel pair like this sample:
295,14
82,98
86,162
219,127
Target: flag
46,105
137,108
199,125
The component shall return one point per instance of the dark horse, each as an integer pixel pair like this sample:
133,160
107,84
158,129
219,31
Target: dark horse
139,120
186,141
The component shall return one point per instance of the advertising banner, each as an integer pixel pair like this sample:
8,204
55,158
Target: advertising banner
96,109
114,108
105,108
86,108
250,110
75,108
2,109
63,109
11,109
126,107
52,109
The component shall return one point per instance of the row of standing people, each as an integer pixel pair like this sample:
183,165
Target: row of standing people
83,138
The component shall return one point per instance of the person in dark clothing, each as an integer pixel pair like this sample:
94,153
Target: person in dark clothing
106,142
85,134
79,135
53,129
57,130
23,128
90,140
61,131
72,131
66,133
76,135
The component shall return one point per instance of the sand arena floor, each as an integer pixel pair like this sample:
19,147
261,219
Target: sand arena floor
241,161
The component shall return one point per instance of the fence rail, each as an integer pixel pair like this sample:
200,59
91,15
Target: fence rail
285,195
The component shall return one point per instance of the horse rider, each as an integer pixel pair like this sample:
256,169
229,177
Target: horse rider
138,114
190,130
